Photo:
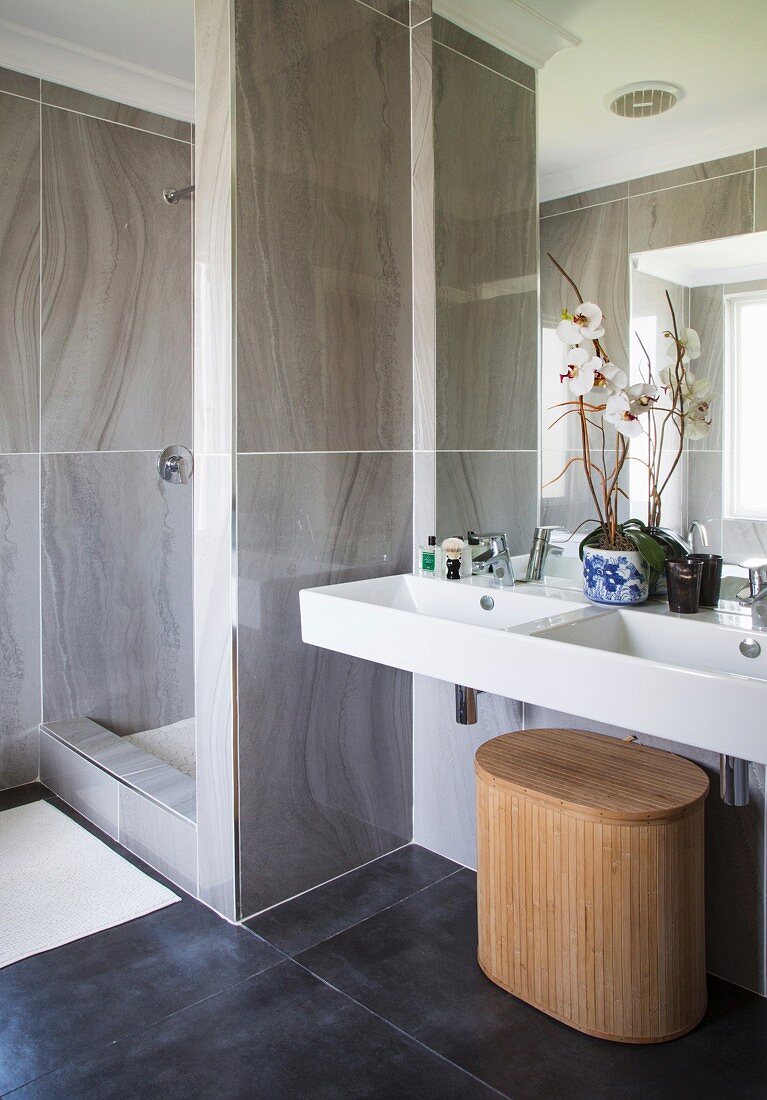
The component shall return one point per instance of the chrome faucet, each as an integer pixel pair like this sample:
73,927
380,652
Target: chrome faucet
539,551
697,527
495,557
756,589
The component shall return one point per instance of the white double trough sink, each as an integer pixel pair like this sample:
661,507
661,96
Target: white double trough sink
676,677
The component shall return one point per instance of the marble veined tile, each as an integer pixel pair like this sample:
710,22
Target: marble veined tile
760,200
420,10
486,257
19,273
395,9
19,619
58,95
445,808
456,38
488,491
19,83
323,235
595,197
116,355
163,840
117,592
709,169
712,208
324,739
82,785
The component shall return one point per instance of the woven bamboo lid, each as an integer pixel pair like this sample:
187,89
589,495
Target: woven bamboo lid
592,775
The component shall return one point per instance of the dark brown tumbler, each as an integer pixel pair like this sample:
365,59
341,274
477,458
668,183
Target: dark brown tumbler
711,579
683,579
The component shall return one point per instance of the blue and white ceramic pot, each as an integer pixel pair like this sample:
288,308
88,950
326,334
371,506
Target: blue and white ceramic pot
615,576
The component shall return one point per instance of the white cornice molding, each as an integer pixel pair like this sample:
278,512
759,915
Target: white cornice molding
62,62
511,26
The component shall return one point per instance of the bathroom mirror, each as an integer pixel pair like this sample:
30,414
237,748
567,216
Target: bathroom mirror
720,289
616,174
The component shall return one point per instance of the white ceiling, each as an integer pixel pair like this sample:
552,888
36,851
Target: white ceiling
716,50
139,51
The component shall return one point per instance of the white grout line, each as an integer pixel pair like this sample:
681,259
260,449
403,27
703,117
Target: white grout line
125,125
487,68
384,14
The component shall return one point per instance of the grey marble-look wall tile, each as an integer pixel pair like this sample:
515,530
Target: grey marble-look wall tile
486,259
325,741
744,538
19,83
424,279
595,197
117,592
735,886
488,491
324,228
116,356
19,619
160,838
395,9
760,200
19,273
760,158
704,494
719,207
81,785
420,10
456,38
692,173
707,318
58,95
566,500
444,798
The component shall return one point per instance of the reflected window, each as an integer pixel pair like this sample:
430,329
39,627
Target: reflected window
746,442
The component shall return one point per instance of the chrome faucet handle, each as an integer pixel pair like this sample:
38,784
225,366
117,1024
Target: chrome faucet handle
756,589
495,541
175,464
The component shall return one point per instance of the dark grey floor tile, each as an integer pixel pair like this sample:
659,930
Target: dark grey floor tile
415,965
80,996
321,913
283,1034
22,796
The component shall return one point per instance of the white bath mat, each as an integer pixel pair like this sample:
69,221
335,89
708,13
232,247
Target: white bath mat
59,883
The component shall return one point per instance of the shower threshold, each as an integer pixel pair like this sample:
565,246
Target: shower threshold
156,774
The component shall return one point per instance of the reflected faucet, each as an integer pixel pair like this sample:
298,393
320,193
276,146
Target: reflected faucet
697,527
494,558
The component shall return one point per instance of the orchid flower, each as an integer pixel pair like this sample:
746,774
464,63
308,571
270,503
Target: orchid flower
689,341
642,397
618,412
697,421
582,371
584,324
611,378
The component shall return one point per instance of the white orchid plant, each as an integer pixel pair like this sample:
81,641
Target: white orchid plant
604,402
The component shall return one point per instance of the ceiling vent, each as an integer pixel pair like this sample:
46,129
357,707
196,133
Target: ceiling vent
643,100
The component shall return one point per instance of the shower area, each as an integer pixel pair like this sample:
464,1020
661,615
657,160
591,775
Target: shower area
97,381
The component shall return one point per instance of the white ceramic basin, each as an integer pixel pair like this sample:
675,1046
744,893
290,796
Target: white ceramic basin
678,678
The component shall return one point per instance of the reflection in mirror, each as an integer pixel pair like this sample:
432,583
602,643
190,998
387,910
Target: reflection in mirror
720,288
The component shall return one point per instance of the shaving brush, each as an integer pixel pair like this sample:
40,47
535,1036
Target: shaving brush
453,548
